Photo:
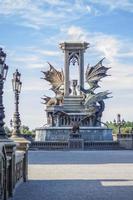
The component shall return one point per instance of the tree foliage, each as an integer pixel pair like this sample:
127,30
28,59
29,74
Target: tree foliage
126,128
25,130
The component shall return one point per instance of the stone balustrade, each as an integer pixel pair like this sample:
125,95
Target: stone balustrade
19,175
127,135
77,144
104,145
49,145
13,169
125,140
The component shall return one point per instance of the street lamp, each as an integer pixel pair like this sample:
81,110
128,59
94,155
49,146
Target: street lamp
3,75
23,144
119,123
16,84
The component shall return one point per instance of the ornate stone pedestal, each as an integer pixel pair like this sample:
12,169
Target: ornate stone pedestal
63,134
75,109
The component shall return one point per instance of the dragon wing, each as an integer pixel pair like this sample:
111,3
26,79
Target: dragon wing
45,99
95,74
93,98
54,77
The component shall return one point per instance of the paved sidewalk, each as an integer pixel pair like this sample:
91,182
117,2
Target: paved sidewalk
86,175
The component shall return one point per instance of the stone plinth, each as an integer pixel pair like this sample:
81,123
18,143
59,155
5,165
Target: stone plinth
63,133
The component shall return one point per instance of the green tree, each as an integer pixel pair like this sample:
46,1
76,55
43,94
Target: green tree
25,130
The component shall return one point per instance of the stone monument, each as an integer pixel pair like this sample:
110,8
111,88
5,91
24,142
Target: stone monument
75,113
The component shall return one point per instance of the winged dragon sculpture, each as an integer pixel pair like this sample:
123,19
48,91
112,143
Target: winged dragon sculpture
94,100
56,80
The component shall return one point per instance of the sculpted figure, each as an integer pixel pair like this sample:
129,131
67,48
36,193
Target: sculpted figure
56,80
92,100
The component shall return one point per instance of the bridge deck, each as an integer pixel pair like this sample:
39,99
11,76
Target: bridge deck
78,175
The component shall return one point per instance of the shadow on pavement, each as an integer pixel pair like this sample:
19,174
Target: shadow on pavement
75,190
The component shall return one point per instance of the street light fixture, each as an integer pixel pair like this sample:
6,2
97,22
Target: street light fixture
16,84
3,75
119,123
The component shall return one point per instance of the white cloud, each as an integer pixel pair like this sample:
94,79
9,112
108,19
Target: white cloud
118,80
35,86
126,5
30,57
26,58
89,9
126,54
106,45
53,2
111,47
40,13
75,33
48,53
12,7
28,25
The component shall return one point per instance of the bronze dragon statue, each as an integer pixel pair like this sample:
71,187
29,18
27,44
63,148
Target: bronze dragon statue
91,99
56,80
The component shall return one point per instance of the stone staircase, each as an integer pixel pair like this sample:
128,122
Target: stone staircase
73,103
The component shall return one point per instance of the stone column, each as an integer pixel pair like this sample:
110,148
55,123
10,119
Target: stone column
58,121
81,69
66,74
69,48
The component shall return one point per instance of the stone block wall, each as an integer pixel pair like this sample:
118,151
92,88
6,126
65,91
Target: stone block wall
63,133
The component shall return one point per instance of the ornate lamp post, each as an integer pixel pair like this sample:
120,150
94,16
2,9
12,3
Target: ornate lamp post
16,84
119,123
23,144
3,75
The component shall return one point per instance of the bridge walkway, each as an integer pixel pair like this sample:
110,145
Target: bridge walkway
78,175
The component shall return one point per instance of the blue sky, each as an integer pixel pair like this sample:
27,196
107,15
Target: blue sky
30,31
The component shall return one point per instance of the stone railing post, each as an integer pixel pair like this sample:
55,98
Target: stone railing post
10,150
23,145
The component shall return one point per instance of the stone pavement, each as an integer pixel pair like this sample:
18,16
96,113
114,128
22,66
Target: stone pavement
78,175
